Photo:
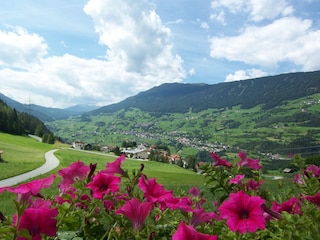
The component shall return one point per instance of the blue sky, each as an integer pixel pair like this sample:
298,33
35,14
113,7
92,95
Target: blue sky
97,52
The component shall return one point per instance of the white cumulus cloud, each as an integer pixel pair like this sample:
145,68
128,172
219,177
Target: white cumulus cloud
138,56
19,49
257,10
287,39
268,9
245,74
135,35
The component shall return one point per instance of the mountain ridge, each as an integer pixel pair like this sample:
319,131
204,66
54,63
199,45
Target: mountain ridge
181,97
272,114
46,114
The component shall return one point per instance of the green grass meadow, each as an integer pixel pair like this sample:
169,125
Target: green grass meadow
164,173
20,154
23,150
171,176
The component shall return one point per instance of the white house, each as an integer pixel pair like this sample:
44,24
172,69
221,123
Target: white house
140,152
78,145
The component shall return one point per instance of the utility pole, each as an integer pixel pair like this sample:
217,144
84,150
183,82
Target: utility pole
29,102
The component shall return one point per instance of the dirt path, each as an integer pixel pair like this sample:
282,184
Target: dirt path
51,163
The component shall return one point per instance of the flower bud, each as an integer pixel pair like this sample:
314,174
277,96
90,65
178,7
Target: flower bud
2,217
141,167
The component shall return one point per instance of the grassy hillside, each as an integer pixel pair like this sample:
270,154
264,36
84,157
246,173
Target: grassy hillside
172,176
291,127
20,154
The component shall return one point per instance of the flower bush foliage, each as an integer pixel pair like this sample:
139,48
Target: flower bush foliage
113,204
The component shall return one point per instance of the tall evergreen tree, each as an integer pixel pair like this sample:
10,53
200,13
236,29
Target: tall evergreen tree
13,122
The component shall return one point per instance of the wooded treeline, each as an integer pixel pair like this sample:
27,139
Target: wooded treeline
21,123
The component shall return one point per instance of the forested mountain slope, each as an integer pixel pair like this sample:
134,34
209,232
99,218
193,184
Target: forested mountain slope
46,114
180,98
14,122
276,114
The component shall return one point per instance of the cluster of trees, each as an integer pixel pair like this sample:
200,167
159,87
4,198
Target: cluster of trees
158,155
307,119
17,123
129,144
159,152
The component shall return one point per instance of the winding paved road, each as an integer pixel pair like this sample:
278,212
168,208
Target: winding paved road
51,163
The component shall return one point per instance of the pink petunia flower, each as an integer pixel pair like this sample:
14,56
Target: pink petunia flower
172,203
194,191
270,214
244,213
237,179
185,204
27,190
76,171
200,215
38,221
219,161
66,196
298,179
253,184
314,170
292,206
115,167
83,202
314,199
248,162
136,212
103,184
153,191
185,232
40,203
108,205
